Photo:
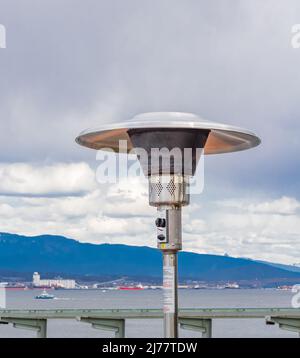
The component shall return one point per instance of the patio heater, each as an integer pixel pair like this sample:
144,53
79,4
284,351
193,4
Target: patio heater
161,141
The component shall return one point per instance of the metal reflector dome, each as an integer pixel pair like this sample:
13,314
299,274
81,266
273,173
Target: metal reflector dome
222,138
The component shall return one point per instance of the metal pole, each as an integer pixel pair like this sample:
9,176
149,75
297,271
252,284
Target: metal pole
169,194
170,294
169,247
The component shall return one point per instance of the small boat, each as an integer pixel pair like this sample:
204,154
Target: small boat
233,285
44,296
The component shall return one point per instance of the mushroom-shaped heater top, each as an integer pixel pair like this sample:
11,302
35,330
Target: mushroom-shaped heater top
166,131
222,138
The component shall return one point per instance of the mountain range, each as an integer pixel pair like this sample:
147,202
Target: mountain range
52,255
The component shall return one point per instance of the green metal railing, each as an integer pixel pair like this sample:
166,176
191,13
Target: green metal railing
196,319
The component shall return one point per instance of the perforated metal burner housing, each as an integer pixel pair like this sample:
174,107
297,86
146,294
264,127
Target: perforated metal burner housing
169,190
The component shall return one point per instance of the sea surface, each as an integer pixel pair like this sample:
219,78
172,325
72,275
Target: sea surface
151,299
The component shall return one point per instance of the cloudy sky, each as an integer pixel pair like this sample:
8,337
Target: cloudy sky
73,64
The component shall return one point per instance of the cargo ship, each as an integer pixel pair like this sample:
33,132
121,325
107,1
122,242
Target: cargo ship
130,288
13,287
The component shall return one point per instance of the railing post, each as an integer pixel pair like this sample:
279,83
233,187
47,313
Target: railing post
39,325
286,323
42,332
120,333
197,324
107,324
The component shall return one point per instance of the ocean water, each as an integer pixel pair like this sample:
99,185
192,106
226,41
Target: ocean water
151,299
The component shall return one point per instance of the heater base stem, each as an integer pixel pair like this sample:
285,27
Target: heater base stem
170,284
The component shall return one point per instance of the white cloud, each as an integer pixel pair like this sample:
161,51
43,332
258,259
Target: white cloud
196,226
268,230
20,179
282,206
128,198
38,200
119,213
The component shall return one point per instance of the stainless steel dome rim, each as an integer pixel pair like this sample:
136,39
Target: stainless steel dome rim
227,138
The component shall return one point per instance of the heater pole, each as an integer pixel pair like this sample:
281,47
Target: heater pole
170,284
169,242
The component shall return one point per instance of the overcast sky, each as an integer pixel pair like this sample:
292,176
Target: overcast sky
73,64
